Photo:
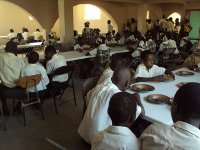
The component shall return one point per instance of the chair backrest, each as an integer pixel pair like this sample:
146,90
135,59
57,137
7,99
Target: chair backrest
63,70
29,81
169,51
89,84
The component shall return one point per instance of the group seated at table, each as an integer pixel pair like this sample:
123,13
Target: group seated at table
13,67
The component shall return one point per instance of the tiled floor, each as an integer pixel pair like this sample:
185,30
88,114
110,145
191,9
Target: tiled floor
61,128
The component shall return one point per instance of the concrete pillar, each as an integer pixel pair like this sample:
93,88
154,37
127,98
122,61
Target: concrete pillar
142,11
65,8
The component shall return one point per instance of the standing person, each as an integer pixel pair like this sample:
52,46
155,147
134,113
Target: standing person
187,27
87,32
96,117
133,25
184,134
149,25
110,27
170,25
122,111
12,34
163,23
10,66
177,27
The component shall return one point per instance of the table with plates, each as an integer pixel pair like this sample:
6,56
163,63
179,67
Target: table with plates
29,45
161,113
76,55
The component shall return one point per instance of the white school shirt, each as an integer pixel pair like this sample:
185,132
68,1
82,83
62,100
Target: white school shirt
10,67
180,136
169,44
12,35
106,76
25,35
96,117
55,62
110,28
198,65
37,34
142,71
115,138
33,69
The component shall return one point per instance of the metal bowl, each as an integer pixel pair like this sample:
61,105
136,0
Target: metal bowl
142,88
157,98
181,84
184,73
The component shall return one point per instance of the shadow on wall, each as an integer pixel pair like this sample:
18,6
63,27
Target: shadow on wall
16,18
85,12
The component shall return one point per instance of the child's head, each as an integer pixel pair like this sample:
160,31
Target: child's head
33,57
116,62
49,52
109,22
148,59
122,109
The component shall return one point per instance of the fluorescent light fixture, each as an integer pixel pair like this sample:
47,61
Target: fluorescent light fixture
92,12
147,17
30,18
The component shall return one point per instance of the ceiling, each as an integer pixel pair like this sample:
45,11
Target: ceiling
151,1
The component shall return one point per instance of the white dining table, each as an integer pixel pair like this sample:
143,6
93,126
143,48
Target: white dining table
29,45
161,113
76,55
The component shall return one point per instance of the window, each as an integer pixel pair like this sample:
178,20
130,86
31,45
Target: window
92,12
175,15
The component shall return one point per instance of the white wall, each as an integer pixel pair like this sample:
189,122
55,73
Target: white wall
78,12
13,16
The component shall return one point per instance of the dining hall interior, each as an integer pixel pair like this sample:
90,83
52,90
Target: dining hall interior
99,74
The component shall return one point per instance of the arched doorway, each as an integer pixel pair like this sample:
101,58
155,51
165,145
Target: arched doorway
80,15
15,17
175,15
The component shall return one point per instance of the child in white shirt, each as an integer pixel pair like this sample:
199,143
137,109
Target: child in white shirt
122,111
147,71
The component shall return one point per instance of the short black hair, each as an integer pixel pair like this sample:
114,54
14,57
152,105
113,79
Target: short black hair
11,46
11,30
50,49
187,101
33,57
145,54
116,61
122,105
108,21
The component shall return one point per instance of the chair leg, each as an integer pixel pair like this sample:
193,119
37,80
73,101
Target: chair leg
3,120
74,91
13,106
42,111
61,95
54,100
23,111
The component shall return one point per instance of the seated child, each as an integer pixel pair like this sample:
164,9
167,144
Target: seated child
118,136
147,71
33,68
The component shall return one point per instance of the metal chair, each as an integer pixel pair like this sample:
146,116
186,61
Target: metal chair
28,100
89,84
168,56
2,116
58,88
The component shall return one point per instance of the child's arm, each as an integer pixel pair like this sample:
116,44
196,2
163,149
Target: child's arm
139,103
152,79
